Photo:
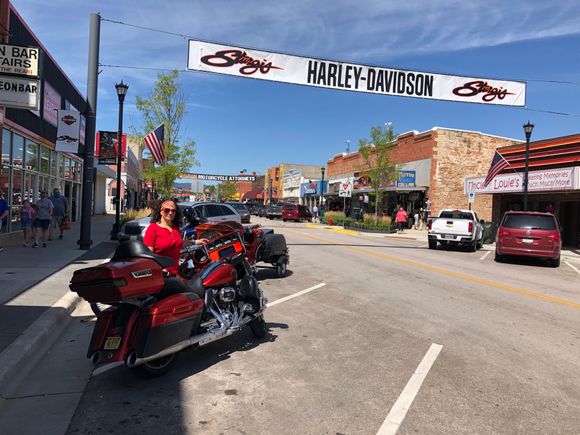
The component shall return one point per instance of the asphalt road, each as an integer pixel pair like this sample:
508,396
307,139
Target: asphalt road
342,357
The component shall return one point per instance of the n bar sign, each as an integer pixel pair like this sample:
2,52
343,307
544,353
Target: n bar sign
278,67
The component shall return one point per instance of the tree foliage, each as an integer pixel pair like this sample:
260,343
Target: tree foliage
166,105
376,154
228,191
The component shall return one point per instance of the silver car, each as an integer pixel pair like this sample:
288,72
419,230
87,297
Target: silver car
210,211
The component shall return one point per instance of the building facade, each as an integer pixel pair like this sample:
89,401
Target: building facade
29,163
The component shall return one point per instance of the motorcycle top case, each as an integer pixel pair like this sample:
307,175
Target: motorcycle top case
274,245
118,280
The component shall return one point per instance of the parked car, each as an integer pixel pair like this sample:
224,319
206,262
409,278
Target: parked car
454,227
296,212
259,210
212,212
529,234
242,210
274,211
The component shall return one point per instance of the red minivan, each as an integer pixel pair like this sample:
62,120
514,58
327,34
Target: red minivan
295,212
530,234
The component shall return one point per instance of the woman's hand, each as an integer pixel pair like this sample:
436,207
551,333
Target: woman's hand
201,241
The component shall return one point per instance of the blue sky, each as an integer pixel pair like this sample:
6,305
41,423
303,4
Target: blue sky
248,124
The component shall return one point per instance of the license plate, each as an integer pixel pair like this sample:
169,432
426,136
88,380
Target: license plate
448,236
112,343
528,240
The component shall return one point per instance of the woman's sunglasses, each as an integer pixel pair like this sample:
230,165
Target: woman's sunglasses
169,210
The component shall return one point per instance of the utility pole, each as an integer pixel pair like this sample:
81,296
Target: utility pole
85,241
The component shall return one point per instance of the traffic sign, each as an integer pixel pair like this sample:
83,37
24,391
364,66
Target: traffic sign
471,197
345,190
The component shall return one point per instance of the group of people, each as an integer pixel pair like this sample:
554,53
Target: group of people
416,220
38,220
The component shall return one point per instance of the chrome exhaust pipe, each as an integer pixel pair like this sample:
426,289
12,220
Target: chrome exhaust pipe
95,357
201,340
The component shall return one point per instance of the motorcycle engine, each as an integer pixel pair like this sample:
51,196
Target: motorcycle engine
227,295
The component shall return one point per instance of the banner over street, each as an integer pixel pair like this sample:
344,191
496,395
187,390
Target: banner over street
213,177
278,67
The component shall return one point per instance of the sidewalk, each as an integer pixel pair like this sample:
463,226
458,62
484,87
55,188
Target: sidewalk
34,295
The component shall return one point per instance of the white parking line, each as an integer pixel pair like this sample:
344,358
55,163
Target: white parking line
399,410
485,255
292,296
573,267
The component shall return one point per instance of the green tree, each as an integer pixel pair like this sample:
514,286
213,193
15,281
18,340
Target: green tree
228,191
376,154
166,105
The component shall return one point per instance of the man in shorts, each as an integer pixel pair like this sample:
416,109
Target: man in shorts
59,211
42,220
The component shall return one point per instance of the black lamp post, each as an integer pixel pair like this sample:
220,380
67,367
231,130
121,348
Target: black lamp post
528,131
322,169
270,190
121,92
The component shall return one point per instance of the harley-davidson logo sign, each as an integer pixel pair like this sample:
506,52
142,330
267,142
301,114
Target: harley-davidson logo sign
69,119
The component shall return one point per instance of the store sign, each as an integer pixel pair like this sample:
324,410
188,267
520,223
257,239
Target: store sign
51,104
552,179
310,188
20,93
406,179
19,60
67,133
233,178
264,65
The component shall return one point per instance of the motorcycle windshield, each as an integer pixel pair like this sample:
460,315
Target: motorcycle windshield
212,231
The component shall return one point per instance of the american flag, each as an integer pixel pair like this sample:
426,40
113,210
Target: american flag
497,164
154,142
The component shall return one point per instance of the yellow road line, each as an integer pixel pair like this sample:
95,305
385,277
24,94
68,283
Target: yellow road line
458,275
336,229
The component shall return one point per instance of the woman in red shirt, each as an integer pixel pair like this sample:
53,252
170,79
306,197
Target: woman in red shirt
401,219
163,236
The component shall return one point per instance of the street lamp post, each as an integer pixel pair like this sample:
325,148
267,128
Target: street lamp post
528,131
270,190
322,169
121,92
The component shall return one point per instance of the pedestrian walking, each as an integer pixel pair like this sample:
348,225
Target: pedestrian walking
315,213
401,219
4,212
42,220
416,220
27,214
60,210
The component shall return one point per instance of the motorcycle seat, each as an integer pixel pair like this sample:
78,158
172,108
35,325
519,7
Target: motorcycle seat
137,249
172,286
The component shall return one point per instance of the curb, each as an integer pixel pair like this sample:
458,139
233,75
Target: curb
48,324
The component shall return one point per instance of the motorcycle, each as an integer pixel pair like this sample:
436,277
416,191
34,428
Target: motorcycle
152,317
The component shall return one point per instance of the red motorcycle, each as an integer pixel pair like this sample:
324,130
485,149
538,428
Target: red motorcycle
153,317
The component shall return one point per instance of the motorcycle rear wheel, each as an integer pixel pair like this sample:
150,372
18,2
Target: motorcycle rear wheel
258,327
156,367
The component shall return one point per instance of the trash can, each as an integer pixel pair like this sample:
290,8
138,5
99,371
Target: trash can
489,230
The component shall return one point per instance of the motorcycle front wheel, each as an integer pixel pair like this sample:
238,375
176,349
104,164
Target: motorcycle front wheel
156,367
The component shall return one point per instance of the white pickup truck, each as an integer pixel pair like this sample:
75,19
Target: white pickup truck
455,227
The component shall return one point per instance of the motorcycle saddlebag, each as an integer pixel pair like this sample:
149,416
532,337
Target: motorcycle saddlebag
274,245
118,280
167,322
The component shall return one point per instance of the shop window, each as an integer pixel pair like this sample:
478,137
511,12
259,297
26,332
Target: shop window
44,159
53,162
17,150
17,187
5,181
67,168
6,145
31,155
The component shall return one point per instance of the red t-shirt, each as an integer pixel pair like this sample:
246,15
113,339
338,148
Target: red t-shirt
164,242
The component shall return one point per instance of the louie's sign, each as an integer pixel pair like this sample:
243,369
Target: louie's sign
552,179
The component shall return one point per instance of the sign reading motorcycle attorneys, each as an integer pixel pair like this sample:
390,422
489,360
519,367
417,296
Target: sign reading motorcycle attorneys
244,62
210,177
22,61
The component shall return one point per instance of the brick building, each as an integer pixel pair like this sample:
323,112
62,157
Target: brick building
434,163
